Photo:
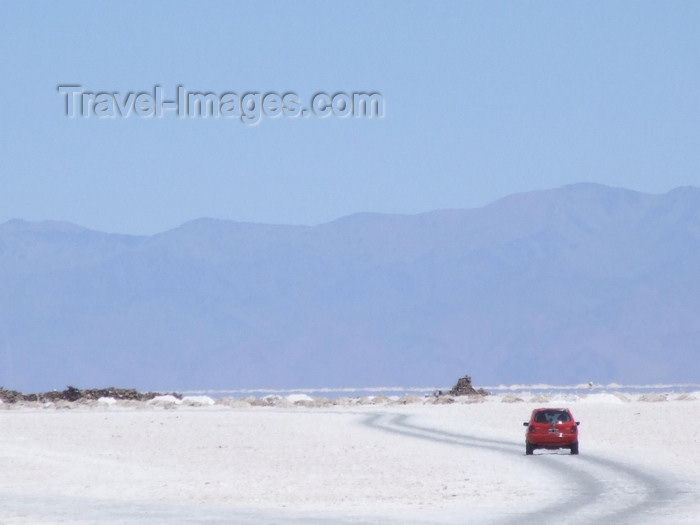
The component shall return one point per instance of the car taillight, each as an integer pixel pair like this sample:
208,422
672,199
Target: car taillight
573,429
531,429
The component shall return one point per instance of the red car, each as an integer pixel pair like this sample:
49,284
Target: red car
551,428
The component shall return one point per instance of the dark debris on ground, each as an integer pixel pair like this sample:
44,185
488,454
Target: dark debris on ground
74,394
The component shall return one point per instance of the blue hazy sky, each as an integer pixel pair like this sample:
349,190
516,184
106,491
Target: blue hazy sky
482,99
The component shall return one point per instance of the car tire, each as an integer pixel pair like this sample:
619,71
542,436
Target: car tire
574,448
529,449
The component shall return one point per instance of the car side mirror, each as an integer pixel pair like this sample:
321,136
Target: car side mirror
525,424
578,423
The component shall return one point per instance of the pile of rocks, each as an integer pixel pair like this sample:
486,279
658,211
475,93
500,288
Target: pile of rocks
464,388
73,394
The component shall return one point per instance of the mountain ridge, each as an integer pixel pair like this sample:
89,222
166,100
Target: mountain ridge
567,285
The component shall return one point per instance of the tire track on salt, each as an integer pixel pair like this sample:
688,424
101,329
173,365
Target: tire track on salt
587,502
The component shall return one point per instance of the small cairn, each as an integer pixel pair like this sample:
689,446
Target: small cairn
464,388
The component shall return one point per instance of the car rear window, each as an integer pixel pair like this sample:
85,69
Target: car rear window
550,416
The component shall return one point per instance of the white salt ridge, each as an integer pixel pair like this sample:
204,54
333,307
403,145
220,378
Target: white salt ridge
559,397
297,398
165,401
198,401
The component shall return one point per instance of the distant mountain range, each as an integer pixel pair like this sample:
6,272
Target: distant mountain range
576,284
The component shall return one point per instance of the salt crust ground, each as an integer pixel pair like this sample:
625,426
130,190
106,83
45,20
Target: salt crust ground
300,456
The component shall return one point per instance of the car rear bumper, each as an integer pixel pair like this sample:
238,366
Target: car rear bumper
552,440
